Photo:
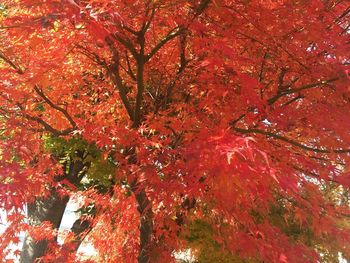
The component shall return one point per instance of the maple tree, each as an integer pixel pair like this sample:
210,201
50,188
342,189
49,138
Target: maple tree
219,125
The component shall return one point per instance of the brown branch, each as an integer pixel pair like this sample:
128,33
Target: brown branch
296,90
126,43
344,14
233,122
171,85
140,81
290,141
281,76
294,99
293,57
129,71
171,35
169,88
113,71
117,81
201,7
130,30
253,39
13,65
56,107
183,64
144,207
147,24
91,55
47,126
178,30
81,229
263,63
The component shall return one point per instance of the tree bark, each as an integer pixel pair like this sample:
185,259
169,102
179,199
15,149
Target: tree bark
146,226
50,209
80,229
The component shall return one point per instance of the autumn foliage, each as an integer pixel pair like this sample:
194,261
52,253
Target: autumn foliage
211,125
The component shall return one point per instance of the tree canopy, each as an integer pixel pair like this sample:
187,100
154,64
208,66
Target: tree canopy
217,126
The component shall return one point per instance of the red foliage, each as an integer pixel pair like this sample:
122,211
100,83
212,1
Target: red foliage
231,106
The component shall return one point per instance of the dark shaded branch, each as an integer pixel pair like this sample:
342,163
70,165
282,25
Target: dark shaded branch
178,30
91,55
144,207
171,84
126,43
47,126
201,7
254,40
122,92
130,71
54,106
113,71
81,229
344,14
147,24
183,64
171,35
140,81
292,100
290,141
281,79
13,65
233,122
117,81
293,57
169,89
340,17
296,90
129,30
261,73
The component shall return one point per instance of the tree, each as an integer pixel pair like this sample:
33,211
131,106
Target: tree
159,116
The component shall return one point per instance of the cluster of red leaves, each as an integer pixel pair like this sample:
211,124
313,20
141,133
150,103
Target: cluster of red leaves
245,106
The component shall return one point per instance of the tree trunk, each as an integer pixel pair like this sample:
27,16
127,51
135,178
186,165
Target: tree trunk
50,209
146,226
80,229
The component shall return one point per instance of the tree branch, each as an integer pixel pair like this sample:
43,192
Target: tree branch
140,81
13,65
81,229
263,63
177,30
201,7
117,81
183,64
47,126
56,107
290,141
129,71
126,43
171,35
296,90
113,71
147,24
